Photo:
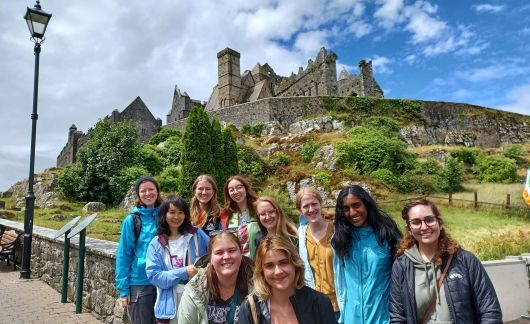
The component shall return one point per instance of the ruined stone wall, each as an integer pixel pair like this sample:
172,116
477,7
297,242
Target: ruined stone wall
468,125
283,110
147,124
100,296
69,152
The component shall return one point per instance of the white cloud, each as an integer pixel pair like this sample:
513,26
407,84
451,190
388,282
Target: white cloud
382,64
486,7
421,24
310,42
390,13
410,59
493,72
518,100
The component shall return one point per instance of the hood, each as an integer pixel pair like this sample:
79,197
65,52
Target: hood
146,212
425,275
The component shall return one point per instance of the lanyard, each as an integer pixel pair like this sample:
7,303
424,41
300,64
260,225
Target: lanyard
233,305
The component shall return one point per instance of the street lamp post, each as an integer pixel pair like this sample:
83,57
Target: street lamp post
37,21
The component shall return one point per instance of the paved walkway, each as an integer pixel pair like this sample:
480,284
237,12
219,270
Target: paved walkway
33,301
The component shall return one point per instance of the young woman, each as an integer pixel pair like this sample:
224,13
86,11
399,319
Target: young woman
314,237
171,255
280,294
204,206
272,221
364,244
433,279
216,292
238,213
137,230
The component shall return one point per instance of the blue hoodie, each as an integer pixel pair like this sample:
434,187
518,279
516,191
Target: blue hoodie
130,258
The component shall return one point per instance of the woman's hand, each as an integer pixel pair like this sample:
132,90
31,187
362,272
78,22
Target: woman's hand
126,301
191,270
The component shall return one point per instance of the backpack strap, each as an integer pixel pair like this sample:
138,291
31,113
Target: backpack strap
137,223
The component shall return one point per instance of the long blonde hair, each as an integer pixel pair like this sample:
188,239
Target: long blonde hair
276,243
284,226
200,217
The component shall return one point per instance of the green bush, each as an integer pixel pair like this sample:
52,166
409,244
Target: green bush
68,181
412,182
451,176
125,180
253,130
308,150
430,166
251,165
386,124
386,176
252,169
172,150
163,135
515,152
467,155
371,149
323,178
151,159
496,169
169,179
280,159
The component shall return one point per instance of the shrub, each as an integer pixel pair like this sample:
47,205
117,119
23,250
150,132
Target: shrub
411,182
280,159
515,152
370,149
386,124
124,181
151,159
253,130
308,150
386,176
172,150
467,155
163,135
451,176
68,181
169,179
324,178
251,165
430,166
496,169
231,156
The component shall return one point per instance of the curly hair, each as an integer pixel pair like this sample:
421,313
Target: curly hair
200,217
446,244
385,228
243,275
230,206
179,203
282,244
284,226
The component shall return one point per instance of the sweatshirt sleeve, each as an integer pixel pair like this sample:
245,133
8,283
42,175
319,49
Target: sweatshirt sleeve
156,270
397,310
124,257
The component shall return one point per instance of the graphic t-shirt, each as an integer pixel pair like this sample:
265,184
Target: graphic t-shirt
218,311
177,255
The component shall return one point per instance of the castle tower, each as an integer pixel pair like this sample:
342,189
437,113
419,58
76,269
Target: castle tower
370,88
229,75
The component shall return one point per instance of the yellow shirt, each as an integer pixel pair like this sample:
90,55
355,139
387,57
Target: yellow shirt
320,255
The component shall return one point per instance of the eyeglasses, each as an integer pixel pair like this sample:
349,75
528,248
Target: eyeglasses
235,188
271,212
428,220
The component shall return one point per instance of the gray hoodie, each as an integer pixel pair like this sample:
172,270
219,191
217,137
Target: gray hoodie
426,275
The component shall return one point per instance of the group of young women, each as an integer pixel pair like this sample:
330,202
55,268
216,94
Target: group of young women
249,263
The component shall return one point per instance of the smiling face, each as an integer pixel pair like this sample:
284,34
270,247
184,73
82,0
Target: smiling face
226,257
278,271
237,191
425,235
148,194
204,192
311,208
268,215
355,210
174,218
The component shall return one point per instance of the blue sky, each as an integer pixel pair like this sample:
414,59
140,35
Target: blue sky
99,55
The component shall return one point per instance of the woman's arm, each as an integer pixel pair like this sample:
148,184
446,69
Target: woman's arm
397,310
156,269
124,257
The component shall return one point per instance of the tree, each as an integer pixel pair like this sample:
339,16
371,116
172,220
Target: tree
196,157
151,159
163,135
451,176
230,159
110,148
218,170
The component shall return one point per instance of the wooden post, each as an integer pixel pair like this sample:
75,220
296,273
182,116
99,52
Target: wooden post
507,201
450,198
475,200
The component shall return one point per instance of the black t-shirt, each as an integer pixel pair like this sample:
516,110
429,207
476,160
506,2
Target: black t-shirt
218,310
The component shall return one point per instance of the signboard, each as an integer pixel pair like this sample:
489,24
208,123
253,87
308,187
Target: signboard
66,227
81,226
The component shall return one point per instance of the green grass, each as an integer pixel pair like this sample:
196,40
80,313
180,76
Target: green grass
494,193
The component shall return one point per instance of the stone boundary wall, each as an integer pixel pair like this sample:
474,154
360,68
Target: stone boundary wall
285,110
100,296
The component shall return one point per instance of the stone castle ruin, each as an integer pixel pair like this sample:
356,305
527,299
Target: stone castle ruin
136,111
319,78
259,90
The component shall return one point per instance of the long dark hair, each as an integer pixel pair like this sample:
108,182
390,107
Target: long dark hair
163,227
385,228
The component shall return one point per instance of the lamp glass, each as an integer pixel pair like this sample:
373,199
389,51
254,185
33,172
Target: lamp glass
37,21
